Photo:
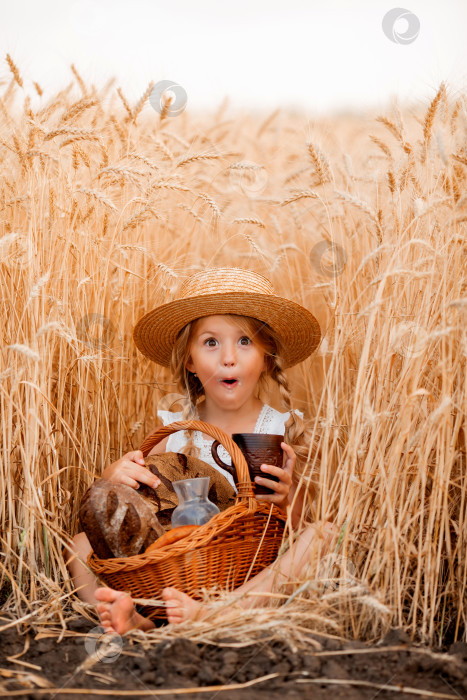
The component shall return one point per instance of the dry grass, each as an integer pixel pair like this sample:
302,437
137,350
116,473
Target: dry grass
106,206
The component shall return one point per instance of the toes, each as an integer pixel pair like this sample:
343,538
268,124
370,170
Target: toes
174,619
170,593
108,594
174,609
108,629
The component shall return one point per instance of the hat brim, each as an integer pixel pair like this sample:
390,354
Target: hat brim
156,332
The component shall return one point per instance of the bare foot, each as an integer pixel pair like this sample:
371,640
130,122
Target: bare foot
180,607
117,612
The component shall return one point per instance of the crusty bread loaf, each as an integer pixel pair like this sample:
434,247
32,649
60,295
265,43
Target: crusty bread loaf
120,521
175,466
117,520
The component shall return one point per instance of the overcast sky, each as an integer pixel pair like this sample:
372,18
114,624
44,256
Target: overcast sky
320,55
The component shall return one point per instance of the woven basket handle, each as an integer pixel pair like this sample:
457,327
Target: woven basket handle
238,460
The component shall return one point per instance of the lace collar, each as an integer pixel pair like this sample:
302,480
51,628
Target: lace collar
264,419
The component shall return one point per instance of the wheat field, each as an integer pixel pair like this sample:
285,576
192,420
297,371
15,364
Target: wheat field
107,206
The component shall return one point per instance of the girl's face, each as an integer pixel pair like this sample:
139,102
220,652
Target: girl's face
220,351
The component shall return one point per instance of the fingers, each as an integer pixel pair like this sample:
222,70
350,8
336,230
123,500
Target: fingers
281,473
289,457
135,456
282,486
277,499
143,475
132,474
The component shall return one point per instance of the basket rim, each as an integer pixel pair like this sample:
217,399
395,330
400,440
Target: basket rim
201,537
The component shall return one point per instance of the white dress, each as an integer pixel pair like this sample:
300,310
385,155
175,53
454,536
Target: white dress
269,421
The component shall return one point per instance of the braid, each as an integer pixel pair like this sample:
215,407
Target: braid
188,385
296,431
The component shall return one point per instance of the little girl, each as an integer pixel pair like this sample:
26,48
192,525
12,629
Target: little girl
223,337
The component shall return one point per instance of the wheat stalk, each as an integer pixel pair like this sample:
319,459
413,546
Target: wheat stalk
145,160
79,79
125,103
83,134
255,222
141,102
139,217
77,109
101,197
319,163
301,194
431,113
198,157
212,204
393,128
14,70
383,146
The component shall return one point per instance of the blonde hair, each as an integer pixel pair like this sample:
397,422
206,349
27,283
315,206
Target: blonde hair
296,431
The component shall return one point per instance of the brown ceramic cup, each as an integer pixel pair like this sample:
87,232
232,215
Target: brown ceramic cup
258,449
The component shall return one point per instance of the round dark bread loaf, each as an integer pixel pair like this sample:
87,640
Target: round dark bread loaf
121,521
118,522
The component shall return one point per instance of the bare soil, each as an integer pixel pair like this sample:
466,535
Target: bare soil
393,668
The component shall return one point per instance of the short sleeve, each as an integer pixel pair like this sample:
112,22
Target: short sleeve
169,416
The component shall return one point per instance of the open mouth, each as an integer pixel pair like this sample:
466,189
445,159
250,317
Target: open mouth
229,382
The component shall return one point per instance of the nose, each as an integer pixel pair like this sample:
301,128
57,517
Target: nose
229,356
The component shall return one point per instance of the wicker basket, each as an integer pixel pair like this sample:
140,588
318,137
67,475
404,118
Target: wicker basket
233,546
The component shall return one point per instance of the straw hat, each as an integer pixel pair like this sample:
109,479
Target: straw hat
228,290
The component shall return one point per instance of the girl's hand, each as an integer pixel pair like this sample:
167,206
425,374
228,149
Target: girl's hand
130,470
281,488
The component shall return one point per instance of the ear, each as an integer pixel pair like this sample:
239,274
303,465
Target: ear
189,365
